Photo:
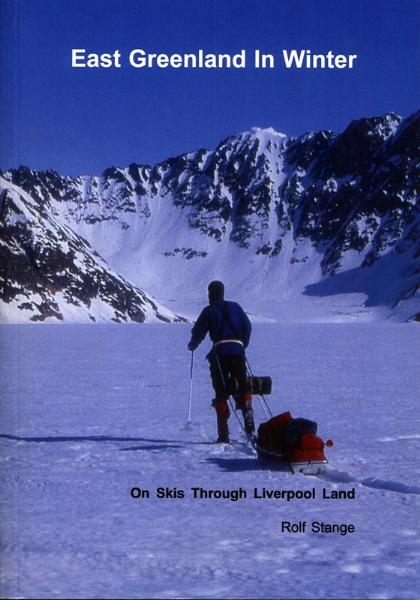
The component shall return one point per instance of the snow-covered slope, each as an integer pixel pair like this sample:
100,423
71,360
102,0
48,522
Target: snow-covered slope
324,226
84,425
50,272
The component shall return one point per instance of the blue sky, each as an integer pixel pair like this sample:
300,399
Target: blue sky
80,121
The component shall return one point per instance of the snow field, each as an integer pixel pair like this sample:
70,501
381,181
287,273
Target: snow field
89,413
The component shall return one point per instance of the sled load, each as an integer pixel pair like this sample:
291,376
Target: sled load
252,385
293,442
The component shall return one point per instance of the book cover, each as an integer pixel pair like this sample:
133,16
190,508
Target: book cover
147,149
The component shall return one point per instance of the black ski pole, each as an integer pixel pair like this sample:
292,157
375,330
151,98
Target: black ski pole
190,388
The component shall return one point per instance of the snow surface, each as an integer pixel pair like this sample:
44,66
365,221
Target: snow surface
89,413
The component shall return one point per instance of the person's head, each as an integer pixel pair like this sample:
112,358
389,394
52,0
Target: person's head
216,291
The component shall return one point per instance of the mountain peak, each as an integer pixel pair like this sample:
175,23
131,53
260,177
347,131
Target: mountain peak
266,131
262,210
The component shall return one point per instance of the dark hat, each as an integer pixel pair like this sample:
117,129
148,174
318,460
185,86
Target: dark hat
216,291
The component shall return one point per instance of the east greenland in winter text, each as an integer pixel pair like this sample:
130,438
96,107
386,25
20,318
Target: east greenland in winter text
139,58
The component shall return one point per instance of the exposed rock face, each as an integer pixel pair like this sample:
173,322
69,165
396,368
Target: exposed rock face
48,271
353,197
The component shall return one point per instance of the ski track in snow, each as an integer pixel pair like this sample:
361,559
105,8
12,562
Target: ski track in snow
106,411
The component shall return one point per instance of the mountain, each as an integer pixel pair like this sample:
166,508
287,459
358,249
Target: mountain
50,272
323,226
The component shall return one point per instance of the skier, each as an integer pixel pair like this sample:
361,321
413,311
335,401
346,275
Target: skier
230,330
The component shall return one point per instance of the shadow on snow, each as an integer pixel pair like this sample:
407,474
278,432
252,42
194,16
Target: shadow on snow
234,465
152,444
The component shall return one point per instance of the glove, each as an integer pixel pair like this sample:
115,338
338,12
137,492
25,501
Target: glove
190,347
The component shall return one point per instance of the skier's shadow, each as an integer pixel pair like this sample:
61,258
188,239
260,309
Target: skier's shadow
150,443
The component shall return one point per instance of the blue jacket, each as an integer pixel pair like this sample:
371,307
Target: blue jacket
222,320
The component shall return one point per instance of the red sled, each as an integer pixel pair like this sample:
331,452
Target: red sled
292,442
